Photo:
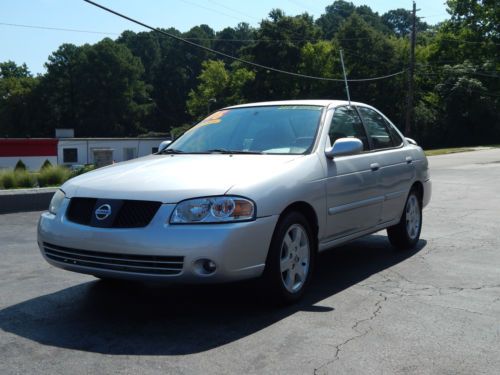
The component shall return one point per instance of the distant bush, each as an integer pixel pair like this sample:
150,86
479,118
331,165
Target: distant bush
25,179
48,176
46,164
20,166
54,176
84,169
7,180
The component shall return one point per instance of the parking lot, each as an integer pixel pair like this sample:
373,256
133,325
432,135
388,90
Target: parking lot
370,310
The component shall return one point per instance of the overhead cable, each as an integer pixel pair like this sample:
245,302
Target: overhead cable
243,61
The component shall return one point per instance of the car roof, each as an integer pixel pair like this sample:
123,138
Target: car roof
322,103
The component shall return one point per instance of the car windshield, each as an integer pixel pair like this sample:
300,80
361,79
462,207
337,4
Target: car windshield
284,129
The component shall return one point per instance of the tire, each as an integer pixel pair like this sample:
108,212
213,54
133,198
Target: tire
290,260
406,234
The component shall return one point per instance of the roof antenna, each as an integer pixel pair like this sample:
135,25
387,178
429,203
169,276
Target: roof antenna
345,77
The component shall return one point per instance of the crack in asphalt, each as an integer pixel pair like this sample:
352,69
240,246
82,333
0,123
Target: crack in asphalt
401,291
338,348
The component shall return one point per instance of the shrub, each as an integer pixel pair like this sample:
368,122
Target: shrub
20,166
24,179
53,176
85,169
46,164
7,180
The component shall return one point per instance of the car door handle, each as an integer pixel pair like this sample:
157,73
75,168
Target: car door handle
374,166
409,160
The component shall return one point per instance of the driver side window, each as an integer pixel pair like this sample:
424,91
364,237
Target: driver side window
347,124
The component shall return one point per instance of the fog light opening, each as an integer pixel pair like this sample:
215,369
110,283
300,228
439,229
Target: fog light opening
209,266
205,267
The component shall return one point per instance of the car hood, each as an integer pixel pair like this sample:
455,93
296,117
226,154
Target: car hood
172,178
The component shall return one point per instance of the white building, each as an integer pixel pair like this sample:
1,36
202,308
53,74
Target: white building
102,151
73,151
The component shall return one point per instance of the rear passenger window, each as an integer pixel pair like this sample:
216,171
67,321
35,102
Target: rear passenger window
345,124
396,138
376,128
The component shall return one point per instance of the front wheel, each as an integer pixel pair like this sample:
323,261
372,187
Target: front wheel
406,233
290,260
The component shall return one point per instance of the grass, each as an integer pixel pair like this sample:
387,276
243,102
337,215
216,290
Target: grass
454,150
444,151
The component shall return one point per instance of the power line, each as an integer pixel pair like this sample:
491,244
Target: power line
233,10
260,66
209,9
57,29
442,71
467,41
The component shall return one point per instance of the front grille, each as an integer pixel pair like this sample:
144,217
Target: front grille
142,264
130,214
136,214
80,210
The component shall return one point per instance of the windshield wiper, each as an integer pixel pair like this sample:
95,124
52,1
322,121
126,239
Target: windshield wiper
171,151
226,151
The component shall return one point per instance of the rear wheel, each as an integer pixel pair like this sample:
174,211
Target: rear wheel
406,233
290,260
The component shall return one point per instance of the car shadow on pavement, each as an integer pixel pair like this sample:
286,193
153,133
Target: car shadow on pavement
134,319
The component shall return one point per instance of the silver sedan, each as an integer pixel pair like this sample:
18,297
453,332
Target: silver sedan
254,190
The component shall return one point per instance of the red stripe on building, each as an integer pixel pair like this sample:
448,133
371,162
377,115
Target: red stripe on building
28,147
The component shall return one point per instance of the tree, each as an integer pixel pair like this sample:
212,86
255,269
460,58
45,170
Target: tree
321,59
369,53
280,41
16,99
469,109
232,40
481,16
336,14
96,89
400,21
216,82
9,69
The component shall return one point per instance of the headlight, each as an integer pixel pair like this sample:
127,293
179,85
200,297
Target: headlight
213,210
56,201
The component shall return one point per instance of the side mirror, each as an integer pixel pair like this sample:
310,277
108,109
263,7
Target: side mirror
344,147
163,145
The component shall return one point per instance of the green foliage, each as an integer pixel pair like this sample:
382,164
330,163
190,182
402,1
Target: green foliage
10,69
54,176
400,21
84,169
25,179
142,83
10,179
20,166
46,164
217,83
7,180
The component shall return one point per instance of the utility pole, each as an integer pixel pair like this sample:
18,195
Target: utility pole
411,73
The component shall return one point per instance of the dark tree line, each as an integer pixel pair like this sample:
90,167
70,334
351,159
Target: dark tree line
146,82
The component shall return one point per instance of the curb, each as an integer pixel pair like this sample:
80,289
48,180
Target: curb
22,200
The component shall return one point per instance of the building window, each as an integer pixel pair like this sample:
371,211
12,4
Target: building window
129,153
154,150
70,155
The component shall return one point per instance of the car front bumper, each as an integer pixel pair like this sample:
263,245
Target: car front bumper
239,250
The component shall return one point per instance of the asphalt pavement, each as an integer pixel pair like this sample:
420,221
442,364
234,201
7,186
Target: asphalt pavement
370,309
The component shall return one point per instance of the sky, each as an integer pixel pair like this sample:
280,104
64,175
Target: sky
33,46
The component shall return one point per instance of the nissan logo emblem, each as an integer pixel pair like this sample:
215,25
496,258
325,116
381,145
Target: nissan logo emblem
103,212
